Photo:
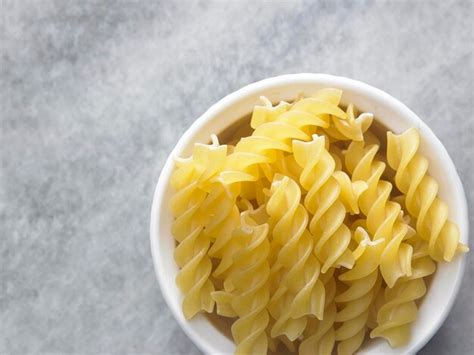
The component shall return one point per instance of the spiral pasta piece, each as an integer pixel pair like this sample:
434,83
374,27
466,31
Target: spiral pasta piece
422,202
319,335
384,217
275,127
284,164
311,111
206,161
323,200
323,104
259,149
351,128
295,273
249,284
267,112
240,235
220,205
242,166
191,252
356,300
399,309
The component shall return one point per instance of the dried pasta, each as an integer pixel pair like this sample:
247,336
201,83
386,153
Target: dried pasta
307,231
383,215
248,285
297,291
355,301
399,307
324,202
319,335
188,228
420,191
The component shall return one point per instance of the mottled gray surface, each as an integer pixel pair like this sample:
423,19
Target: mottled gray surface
94,96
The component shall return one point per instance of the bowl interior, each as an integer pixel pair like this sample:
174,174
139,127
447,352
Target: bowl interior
390,113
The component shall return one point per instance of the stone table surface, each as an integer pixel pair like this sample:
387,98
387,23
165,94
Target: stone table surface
94,94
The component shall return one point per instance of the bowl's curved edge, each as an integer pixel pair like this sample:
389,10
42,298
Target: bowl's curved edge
259,86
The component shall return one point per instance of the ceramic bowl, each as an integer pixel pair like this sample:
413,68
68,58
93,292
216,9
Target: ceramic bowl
387,110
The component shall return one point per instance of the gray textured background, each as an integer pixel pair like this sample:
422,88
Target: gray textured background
93,97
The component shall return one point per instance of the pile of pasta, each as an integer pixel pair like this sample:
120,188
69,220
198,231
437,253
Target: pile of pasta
311,231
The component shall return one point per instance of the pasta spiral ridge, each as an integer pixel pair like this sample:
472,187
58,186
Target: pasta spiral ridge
191,252
350,129
249,282
295,272
399,309
259,149
356,300
220,204
313,111
422,202
319,336
384,216
324,202
274,128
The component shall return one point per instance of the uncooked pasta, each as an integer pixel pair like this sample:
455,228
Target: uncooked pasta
308,232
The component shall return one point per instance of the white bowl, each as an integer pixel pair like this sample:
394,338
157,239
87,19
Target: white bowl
387,110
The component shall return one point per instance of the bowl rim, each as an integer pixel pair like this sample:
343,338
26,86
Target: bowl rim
266,84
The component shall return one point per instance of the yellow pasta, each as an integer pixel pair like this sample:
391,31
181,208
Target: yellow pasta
220,204
352,128
324,203
260,148
338,156
319,335
421,191
248,281
356,300
383,215
274,129
254,190
297,290
399,307
191,252
296,231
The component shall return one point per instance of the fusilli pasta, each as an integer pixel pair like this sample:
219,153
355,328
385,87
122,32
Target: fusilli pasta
383,215
324,203
295,230
295,273
191,252
421,192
